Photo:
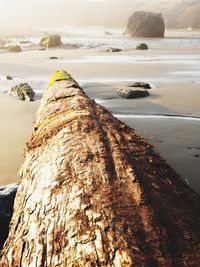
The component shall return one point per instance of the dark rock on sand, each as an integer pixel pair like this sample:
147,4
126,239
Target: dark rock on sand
53,58
111,49
7,196
23,91
146,24
51,41
141,85
129,93
142,46
15,48
8,77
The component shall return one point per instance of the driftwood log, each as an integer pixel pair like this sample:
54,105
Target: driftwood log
93,193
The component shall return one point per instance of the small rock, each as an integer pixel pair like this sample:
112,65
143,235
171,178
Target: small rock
53,58
23,91
142,46
9,77
141,85
14,48
7,197
129,94
111,49
196,155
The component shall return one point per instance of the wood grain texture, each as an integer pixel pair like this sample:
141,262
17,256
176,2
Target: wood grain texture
93,193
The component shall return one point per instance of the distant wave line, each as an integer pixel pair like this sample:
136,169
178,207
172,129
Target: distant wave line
158,116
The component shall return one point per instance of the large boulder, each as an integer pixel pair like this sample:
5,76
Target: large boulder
51,41
146,24
7,196
23,91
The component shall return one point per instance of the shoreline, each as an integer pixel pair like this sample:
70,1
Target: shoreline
168,118
168,136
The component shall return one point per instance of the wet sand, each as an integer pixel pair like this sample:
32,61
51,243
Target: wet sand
16,119
174,93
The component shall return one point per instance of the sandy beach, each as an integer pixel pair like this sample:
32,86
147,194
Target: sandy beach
169,118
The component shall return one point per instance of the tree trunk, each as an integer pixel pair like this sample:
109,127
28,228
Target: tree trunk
93,193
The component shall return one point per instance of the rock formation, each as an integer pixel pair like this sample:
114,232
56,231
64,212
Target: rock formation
7,196
93,193
129,93
23,91
145,24
51,41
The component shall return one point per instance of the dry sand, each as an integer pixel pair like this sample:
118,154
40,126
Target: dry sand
174,93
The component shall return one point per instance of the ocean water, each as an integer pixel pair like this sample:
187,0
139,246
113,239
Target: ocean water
96,37
129,59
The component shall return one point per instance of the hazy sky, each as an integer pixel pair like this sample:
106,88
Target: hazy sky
26,13
49,12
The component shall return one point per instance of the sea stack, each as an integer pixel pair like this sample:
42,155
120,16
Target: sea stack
93,193
146,25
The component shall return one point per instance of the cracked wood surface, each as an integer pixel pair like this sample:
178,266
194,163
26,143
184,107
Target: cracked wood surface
93,193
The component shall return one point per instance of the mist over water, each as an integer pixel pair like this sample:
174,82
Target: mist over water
23,14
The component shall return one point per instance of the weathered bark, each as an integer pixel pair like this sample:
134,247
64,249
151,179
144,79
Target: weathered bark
93,193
